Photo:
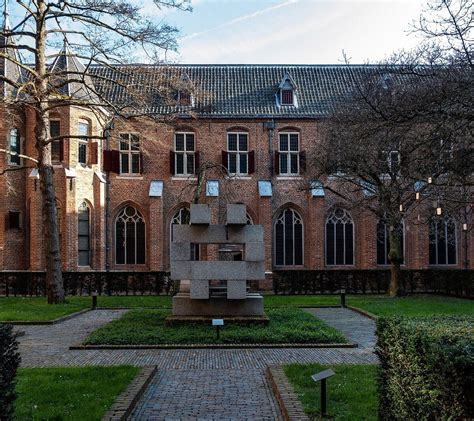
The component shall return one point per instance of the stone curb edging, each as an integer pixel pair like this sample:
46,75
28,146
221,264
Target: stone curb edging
363,312
45,322
127,400
288,401
209,346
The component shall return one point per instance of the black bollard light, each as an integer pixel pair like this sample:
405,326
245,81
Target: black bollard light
94,300
343,297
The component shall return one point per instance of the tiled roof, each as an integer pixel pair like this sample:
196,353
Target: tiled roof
234,90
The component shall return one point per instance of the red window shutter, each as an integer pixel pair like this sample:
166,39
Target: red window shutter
61,149
287,97
276,164
172,168
196,162
251,162
93,153
225,159
302,162
141,163
112,161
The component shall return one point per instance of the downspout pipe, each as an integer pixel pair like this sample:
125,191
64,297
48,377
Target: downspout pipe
108,128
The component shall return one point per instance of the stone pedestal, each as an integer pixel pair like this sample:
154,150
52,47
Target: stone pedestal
184,305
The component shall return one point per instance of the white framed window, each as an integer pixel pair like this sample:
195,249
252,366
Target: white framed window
130,160
130,237
289,153
237,152
84,132
14,144
339,238
289,238
443,241
83,235
184,153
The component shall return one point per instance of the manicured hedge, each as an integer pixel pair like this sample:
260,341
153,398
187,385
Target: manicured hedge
455,282
9,361
80,283
426,368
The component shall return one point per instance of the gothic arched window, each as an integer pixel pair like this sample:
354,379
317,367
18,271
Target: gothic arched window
339,238
442,241
289,238
129,237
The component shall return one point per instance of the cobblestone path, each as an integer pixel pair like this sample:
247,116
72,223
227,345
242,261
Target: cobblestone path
357,328
208,395
202,384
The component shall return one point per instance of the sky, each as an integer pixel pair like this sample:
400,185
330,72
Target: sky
293,31
286,31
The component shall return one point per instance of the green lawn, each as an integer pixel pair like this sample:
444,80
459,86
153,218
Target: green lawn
36,309
351,393
80,393
147,327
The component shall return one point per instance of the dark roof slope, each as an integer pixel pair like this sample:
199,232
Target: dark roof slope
235,90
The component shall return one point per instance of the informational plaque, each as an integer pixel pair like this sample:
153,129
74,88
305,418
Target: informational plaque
156,188
265,188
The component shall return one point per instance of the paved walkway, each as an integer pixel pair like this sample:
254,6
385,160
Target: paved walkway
196,383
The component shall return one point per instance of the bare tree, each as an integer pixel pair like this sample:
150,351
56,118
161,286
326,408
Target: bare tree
401,141
108,33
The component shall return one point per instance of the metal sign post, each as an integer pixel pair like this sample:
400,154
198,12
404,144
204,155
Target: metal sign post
218,323
322,377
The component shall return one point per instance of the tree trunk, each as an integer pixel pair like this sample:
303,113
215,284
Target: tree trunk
54,277
396,288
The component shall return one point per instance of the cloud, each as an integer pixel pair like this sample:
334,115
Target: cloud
239,19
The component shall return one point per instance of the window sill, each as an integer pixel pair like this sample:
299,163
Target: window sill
238,177
129,177
289,177
183,178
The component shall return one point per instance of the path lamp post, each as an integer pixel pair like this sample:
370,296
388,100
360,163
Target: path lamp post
94,300
321,377
343,297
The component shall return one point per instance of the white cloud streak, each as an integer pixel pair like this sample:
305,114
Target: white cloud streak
239,19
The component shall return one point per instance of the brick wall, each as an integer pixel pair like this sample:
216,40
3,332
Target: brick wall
24,250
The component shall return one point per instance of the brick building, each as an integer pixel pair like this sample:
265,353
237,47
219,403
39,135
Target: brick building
118,195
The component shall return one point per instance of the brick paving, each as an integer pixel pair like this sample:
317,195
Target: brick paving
196,383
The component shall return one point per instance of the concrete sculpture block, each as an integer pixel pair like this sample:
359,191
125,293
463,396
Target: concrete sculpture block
236,214
218,234
199,289
200,214
255,252
197,300
180,252
236,289
217,270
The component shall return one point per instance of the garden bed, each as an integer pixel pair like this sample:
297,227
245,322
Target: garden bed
148,327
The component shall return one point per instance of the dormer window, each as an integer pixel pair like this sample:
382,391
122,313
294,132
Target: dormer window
184,98
287,92
287,97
